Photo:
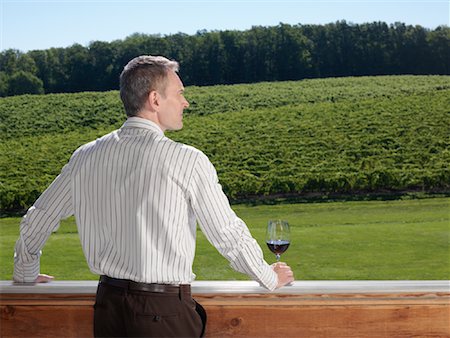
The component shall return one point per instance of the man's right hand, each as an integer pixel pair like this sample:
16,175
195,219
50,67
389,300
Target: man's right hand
284,273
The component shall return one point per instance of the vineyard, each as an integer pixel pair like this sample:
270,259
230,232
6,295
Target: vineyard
321,136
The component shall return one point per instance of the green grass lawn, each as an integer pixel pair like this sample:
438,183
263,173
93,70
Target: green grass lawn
376,240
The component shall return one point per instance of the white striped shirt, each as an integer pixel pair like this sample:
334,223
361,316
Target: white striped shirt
137,196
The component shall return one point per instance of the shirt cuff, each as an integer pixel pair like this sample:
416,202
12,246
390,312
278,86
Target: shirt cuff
26,272
263,274
269,278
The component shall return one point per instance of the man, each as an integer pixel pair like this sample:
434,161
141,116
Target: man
137,196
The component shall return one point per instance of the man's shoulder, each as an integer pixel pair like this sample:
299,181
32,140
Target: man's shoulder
186,150
94,143
190,149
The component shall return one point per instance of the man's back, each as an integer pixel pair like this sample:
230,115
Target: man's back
129,197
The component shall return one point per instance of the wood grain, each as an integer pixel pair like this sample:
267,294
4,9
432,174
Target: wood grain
251,315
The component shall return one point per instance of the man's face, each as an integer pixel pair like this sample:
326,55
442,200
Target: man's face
172,103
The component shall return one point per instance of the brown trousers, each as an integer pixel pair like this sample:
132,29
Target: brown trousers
124,313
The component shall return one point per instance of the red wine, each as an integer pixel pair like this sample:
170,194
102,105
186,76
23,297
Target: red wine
278,247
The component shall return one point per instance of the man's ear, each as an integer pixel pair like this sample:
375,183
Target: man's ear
153,100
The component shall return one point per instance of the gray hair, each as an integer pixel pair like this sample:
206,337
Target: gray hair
140,76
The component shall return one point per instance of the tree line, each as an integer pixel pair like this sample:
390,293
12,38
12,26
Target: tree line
277,53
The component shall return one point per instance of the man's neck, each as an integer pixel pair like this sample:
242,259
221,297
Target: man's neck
151,116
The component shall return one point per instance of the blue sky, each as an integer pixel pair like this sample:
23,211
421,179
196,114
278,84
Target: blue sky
37,24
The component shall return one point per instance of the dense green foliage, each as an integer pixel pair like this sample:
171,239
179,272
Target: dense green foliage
279,53
322,136
376,240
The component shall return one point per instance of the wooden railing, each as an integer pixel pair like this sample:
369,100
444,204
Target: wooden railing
244,309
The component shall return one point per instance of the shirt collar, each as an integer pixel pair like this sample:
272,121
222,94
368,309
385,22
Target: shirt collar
139,122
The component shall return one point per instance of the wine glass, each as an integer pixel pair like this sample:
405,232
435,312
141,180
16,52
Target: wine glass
278,237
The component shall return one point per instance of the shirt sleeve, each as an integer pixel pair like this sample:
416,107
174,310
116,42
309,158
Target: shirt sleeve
221,226
40,221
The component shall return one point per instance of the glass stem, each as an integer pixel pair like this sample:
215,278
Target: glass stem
278,257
